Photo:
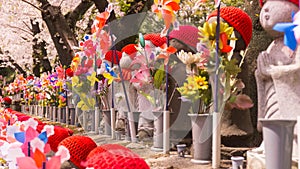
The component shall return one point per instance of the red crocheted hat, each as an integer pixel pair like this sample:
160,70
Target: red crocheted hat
156,39
187,34
130,50
109,56
238,19
59,135
79,148
296,2
7,100
115,156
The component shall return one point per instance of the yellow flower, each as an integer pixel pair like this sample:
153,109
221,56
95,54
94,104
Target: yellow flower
189,88
201,82
208,33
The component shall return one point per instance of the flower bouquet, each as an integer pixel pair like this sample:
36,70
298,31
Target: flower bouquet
229,86
200,68
150,79
196,89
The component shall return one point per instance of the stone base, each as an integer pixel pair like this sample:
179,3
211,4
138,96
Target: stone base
257,161
201,162
157,149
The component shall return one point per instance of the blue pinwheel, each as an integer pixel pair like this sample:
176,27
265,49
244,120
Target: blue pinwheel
289,35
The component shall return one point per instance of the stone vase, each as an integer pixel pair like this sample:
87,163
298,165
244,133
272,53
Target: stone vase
278,137
202,138
107,122
136,116
158,131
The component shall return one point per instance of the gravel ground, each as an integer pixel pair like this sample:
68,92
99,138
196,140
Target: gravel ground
156,160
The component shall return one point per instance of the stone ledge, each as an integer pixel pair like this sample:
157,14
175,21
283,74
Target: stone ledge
257,161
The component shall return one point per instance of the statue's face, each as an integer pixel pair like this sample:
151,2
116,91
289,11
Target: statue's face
276,11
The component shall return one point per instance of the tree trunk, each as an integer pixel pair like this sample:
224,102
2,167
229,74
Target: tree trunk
40,60
63,37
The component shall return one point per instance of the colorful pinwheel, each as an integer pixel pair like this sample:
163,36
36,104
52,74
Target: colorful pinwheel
166,9
289,34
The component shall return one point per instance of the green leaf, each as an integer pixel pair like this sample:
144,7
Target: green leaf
231,67
159,78
148,97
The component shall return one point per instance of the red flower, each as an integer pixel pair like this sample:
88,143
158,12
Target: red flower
70,72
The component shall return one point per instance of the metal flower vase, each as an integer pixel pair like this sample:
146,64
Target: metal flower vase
202,138
278,137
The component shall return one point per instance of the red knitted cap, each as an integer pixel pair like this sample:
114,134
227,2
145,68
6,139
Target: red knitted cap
59,135
79,148
187,34
296,2
7,100
156,39
115,156
130,50
109,56
238,19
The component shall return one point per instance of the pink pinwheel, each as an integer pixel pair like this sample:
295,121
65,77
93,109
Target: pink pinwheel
88,47
60,72
39,160
104,41
166,9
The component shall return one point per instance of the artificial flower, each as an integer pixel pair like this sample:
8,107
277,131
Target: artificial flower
142,76
208,34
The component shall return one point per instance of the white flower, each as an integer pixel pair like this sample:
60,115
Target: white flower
188,58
